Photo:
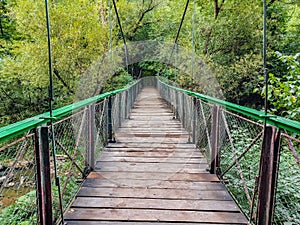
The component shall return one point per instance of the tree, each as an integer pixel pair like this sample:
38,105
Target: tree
78,38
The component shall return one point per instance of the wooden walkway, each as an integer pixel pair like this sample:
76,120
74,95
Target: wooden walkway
151,175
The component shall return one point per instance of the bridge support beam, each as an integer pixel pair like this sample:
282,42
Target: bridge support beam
194,122
44,195
215,154
182,110
91,137
111,138
268,174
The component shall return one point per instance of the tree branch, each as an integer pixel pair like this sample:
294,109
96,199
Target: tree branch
218,8
137,25
56,73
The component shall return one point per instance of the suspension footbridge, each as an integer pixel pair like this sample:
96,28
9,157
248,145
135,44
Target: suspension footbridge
152,173
151,153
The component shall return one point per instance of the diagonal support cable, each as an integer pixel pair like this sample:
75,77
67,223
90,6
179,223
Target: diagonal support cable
122,33
179,29
266,76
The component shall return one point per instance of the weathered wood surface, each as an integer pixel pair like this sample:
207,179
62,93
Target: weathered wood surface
152,175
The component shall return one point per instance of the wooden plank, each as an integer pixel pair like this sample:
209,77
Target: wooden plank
142,124
204,177
149,167
162,145
81,222
152,140
143,164
138,159
167,204
184,185
149,147
154,215
127,154
152,131
151,135
154,193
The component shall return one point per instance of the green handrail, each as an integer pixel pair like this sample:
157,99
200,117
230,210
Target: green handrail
280,122
23,126
20,127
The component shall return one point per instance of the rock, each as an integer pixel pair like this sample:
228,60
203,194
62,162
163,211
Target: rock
2,179
11,184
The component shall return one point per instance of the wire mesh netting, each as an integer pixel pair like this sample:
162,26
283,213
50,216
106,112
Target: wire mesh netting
221,135
203,112
240,144
287,205
18,181
71,140
80,139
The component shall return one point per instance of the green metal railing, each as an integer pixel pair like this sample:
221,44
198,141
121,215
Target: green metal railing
259,165
20,127
81,129
232,137
280,122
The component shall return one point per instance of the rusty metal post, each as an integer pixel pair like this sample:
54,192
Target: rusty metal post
269,164
109,120
38,176
215,154
176,104
120,109
182,110
194,120
126,104
91,137
43,176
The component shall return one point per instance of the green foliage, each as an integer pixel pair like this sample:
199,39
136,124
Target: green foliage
288,197
7,29
240,78
284,87
232,48
120,80
23,211
76,43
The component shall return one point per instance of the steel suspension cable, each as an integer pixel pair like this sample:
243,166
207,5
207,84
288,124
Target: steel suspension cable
110,30
193,37
110,40
266,76
179,29
122,33
51,100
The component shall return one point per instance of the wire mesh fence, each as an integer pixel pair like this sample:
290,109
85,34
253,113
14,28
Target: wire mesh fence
240,145
78,139
232,144
71,141
18,181
287,205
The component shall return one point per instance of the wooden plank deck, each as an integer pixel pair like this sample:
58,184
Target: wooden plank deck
151,175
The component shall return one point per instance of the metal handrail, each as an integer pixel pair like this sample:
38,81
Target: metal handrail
280,122
22,126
